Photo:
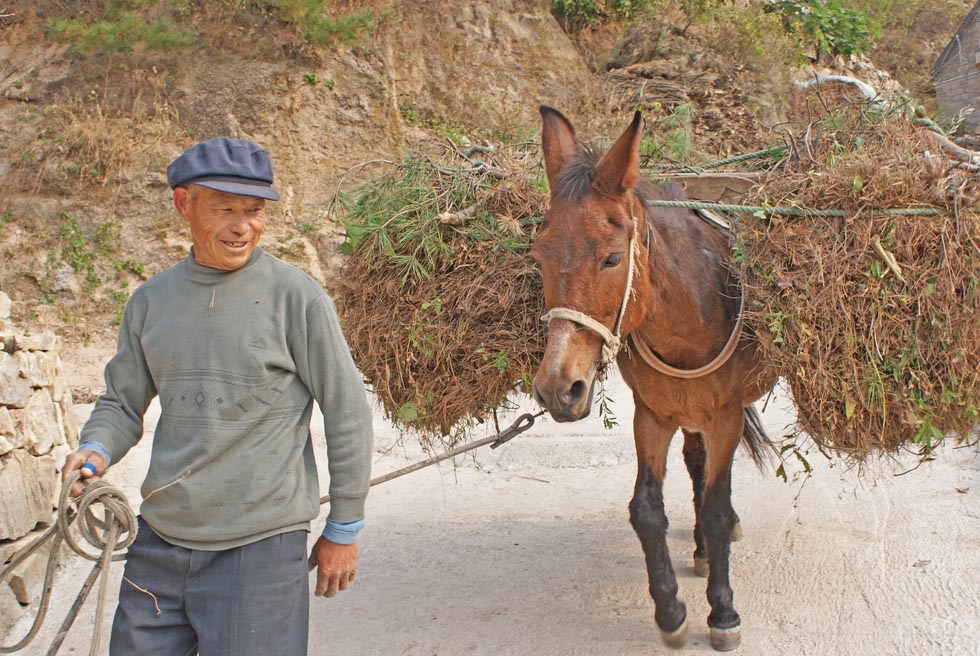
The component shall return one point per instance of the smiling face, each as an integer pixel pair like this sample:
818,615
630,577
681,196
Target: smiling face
225,228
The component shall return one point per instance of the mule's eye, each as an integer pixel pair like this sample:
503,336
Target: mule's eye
612,260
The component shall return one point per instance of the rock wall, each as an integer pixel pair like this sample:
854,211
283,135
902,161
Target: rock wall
37,431
956,75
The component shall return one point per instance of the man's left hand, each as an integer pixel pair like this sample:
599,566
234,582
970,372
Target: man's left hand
337,566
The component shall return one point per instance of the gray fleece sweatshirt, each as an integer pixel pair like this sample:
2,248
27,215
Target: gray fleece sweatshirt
237,359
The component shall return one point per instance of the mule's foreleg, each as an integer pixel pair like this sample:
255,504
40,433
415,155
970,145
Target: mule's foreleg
694,457
649,520
717,520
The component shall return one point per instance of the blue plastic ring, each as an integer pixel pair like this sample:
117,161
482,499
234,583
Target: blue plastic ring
89,466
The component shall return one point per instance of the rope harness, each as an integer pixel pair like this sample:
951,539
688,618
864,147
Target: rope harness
612,341
791,211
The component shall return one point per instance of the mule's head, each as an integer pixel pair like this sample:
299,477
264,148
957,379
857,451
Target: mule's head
583,251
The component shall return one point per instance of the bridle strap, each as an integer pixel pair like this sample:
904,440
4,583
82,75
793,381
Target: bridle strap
612,342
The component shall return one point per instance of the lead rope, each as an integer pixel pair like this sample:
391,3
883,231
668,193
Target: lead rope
524,422
111,534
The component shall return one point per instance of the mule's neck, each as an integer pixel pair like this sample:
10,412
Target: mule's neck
690,303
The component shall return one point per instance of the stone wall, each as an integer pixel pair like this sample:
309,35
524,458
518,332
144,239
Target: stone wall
37,432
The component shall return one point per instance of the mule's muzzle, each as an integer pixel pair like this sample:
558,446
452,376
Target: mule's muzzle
567,402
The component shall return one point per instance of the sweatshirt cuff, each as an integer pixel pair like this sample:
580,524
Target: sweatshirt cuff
96,447
343,533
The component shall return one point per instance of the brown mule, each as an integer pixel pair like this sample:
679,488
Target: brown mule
652,288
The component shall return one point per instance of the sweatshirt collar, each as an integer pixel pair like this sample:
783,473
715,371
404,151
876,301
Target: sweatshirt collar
210,275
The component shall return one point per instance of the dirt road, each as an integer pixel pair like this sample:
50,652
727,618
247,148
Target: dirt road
527,550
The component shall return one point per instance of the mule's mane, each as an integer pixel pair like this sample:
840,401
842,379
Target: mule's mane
577,179
577,176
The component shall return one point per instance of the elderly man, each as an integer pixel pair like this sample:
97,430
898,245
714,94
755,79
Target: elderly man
237,345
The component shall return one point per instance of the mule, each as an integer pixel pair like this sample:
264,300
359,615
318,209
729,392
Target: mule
654,290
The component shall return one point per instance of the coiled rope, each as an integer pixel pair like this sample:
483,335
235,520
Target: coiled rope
109,535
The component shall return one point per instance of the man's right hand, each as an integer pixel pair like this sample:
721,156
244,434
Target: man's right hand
75,461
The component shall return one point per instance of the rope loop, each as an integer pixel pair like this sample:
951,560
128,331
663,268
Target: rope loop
114,532
111,534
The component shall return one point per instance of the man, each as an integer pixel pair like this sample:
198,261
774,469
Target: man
237,345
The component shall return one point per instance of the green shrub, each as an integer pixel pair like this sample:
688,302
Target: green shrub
318,28
348,29
121,33
576,14
829,27
165,25
757,40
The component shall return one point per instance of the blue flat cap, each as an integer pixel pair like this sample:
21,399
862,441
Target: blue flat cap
233,166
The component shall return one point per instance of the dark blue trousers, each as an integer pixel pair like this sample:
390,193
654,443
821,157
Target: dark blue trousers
251,600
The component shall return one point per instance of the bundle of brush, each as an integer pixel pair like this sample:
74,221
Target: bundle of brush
440,303
873,318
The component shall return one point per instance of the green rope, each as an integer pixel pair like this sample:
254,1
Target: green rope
768,153
929,123
790,211
774,152
489,150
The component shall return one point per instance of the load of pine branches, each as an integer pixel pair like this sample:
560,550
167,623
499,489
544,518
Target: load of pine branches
873,318
440,304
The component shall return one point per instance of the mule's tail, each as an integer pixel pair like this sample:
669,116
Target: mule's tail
755,439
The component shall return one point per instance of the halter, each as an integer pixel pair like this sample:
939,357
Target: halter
612,341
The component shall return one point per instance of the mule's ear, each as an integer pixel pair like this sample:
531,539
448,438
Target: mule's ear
619,169
557,141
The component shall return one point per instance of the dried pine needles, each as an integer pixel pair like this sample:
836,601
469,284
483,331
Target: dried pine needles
440,303
873,320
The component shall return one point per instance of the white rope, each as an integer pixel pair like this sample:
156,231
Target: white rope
111,534
612,341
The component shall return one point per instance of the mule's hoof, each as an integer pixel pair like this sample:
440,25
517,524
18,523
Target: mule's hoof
737,532
677,638
726,639
701,567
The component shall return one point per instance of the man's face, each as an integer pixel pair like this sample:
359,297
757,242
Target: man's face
225,228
